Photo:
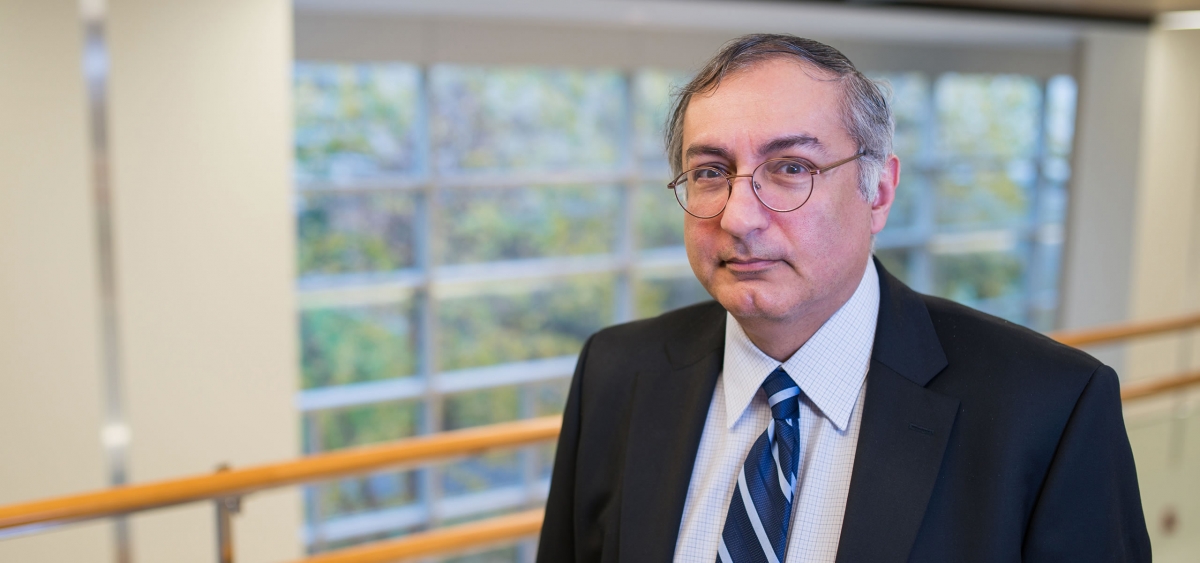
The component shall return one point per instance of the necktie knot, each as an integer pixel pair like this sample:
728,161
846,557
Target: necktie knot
782,394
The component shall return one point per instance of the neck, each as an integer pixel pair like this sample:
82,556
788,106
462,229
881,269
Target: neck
781,338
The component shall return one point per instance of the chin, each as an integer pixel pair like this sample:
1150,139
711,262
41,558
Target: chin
751,304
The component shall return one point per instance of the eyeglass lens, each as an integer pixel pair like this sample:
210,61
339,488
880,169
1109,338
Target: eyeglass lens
782,185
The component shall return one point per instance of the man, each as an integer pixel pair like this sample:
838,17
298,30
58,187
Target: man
819,410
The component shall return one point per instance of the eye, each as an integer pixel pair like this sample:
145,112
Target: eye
789,167
707,174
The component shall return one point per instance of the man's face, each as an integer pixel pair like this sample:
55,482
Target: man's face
761,264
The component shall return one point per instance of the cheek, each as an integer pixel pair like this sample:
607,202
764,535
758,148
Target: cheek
820,240
697,242
812,236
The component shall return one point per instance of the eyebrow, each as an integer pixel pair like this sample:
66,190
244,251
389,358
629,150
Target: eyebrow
772,146
709,150
790,141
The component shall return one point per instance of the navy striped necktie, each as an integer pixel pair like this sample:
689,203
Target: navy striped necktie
756,527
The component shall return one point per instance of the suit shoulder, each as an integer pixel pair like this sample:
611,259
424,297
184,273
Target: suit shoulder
616,354
973,338
1017,388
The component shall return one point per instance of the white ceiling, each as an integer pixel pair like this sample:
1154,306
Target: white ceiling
872,22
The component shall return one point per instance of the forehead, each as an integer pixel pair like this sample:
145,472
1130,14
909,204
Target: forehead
768,100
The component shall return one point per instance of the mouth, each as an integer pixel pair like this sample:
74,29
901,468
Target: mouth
748,265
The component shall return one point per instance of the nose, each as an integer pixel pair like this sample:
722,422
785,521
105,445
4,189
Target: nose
744,213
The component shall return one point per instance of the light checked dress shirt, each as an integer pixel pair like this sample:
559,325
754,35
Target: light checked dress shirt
831,370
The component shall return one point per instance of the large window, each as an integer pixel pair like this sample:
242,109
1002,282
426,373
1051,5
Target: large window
463,229
982,200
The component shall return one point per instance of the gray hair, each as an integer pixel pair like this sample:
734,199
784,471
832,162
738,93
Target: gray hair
865,111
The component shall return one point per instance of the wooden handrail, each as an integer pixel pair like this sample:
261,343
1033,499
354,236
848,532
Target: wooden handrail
123,500
514,526
441,540
1157,386
1111,333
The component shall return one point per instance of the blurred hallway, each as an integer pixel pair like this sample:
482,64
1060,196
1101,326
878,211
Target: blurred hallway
342,223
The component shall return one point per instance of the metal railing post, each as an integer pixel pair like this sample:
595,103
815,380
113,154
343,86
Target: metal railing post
226,508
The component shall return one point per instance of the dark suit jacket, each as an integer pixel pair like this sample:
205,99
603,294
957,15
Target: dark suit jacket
980,441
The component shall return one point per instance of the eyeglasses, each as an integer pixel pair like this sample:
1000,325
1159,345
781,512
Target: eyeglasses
781,184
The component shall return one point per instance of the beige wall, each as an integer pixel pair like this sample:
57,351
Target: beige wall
1165,433
200,150
1096,268
1166,268
50,401
201,136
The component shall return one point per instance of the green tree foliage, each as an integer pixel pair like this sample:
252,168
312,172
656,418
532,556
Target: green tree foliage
991,115
973,197
523,324
351,345
652,91
353,233
972,278
658,295
490,225
526,119
362,425
355,121
659,217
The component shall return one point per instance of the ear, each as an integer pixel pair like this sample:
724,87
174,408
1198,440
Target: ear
889,178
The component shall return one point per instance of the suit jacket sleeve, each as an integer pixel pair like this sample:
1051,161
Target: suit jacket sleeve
1089,508
557,542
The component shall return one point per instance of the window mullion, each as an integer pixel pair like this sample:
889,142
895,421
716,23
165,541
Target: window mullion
1034,270
925,204
426,225
626,239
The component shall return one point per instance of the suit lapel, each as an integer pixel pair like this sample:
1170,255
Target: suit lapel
666,423
900,445
904,432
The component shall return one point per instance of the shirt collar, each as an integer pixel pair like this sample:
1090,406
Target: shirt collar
830,368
